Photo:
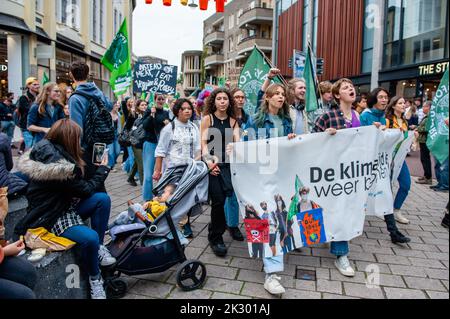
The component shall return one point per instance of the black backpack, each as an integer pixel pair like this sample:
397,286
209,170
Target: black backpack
98,127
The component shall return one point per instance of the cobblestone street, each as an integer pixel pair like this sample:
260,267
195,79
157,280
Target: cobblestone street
419,270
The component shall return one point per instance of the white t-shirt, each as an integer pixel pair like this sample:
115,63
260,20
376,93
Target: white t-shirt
178,146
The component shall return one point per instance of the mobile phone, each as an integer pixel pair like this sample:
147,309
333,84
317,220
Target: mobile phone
98,153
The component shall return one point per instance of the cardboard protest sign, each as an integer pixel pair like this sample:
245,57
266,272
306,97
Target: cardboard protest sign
155,78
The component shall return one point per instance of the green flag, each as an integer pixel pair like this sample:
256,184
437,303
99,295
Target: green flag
45,80
177,96
311,99
252,78
143,96
437,141
221,82
293,207
118,60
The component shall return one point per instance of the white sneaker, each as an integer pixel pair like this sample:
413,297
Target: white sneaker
97,289
344,267
400,218
273,286
105,257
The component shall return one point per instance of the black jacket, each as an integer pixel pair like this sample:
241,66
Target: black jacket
23,105
5,110
14,183
55,181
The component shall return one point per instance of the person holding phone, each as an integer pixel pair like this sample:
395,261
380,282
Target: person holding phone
61,197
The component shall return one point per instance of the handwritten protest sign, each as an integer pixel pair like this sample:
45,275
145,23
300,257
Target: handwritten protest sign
155,78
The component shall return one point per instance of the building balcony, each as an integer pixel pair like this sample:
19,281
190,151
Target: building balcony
212,60
215,38
249,43
255,16
188,71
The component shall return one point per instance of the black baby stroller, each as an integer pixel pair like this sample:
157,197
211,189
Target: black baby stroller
134,258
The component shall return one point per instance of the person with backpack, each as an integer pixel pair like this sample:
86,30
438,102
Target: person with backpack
90,108
45,112
23,107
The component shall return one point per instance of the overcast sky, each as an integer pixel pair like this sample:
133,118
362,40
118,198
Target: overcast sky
166,32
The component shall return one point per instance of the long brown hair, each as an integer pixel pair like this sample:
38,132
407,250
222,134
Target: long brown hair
138,103
67,134
290,92
210,107
264,109
390,113
42,98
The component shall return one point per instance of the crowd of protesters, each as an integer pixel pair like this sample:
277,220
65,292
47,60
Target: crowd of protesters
158,132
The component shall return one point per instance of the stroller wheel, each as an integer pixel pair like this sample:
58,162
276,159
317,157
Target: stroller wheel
116,289
191,275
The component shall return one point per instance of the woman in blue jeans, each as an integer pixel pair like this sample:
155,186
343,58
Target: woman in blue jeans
60,199
114,147
272,120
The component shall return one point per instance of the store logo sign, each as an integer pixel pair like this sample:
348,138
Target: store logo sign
3,68
435,68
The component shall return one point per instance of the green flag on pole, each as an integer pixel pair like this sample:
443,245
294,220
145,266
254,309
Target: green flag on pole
311,99
118,60
295,200
143,96
45,80
252,78
437,141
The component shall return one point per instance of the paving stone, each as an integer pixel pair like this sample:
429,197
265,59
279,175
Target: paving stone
223,285
238,252
251,276
361,256
360,277
399,293
256,290
437,273
389,259
303,285
323,273
247,263
334,297
377,250
424,247
301,294
392,281
152,289
438,295
199,242
424,283
430,263
408,271
208,258
304,260
440,256
134,296
221,272
193,252
406,252
160,277
334,287
445,283
221,295
196,294
366,266
358,290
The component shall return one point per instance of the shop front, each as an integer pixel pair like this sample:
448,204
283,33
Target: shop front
415,81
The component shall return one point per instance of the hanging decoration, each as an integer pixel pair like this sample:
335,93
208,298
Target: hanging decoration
203,4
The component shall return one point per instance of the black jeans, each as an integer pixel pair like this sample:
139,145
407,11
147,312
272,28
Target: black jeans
391,223
218,222
17,279
425,158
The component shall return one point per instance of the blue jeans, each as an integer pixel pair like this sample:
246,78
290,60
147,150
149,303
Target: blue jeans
339,248
27,138
128,165
441,171
114,152
232,211
8,128
96,207
273,264
148,159
404,179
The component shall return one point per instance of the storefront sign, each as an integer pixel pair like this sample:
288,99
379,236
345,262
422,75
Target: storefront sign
431,69
3,68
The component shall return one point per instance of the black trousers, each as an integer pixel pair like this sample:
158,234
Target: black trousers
425,158
218,223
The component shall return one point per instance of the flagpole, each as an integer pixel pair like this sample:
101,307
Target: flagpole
271,65
316,79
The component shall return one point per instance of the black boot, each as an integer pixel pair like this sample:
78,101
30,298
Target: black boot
236,233
217,244
398,238
445,221
132,182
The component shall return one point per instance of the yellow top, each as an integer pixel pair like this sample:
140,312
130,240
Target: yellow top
155,209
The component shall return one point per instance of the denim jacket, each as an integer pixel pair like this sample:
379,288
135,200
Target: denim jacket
251,130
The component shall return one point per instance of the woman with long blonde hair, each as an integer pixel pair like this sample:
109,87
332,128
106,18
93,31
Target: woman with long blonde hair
45,111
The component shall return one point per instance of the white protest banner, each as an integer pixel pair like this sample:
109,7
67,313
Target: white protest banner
401,150
155,78
316,188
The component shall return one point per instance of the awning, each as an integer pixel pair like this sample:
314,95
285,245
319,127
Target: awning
70,45
12,23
